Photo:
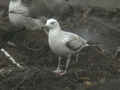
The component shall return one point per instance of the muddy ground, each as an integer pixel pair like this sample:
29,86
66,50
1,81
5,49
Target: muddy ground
94,69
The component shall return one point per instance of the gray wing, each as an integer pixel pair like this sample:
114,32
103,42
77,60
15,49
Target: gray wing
76,43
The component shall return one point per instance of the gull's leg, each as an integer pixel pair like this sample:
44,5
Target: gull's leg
77,57
11,58
58,70
67,65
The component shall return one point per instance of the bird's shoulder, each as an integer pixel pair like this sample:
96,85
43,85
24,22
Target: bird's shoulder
74,41
70,35
73,36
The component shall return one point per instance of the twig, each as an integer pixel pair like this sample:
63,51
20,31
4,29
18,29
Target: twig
11,58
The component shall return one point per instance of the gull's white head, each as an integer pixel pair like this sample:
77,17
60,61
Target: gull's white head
52,24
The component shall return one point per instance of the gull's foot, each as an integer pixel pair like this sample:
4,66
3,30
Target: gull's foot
62,73
57,71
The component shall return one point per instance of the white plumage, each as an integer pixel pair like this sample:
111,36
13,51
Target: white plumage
17,12
19,15
63,43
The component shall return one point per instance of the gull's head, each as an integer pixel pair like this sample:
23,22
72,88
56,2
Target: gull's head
52,24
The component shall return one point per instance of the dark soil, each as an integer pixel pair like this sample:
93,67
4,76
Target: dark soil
95,67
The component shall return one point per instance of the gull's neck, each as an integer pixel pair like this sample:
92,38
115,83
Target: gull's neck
19,1
55,31
58,28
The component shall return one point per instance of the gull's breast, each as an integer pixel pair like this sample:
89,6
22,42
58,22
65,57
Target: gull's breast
17,19
57,45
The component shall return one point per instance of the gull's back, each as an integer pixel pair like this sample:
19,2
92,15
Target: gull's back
74,41
73,36
63,43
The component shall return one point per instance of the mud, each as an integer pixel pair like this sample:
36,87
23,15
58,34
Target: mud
95,66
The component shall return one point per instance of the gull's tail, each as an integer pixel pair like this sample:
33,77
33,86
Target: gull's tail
92,43
95,45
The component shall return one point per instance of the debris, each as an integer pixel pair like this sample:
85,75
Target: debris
11,58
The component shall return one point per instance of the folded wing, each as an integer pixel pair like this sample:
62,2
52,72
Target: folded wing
76,43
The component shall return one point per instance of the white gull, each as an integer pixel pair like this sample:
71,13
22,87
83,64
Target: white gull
63,43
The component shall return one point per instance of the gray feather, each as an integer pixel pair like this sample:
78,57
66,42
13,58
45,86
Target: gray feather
76,43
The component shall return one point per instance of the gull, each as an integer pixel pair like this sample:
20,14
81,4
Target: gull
63,43
19,17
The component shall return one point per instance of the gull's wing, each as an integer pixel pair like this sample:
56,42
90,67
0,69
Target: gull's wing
76,42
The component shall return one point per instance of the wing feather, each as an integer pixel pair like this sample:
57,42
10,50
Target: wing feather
76,43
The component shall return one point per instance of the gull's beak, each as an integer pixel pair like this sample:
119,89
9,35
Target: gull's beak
45,28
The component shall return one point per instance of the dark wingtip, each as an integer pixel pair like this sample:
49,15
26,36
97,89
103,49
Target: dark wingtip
93,43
